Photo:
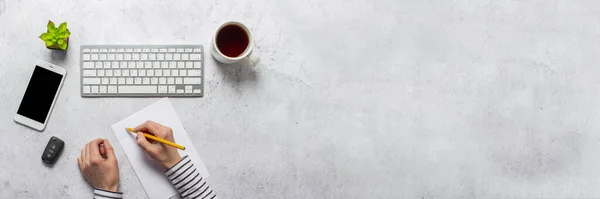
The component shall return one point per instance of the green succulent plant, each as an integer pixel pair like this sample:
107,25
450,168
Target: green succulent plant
56,37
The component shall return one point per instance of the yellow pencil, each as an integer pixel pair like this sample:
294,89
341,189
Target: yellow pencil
167,142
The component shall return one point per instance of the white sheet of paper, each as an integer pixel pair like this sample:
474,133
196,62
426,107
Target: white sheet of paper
150,173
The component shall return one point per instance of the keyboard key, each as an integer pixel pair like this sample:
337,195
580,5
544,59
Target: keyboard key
117,73
170,80
162,80
125,73
133,73
160,57
146,50
171,50
112,89
100,73
197,50
108,73
141,72
155,64
179,90
188,50
164,65
184,57
163,50
119,57
123,65
154,80
102,89
111,56
154,50
103,57
129,80
175,73
89,73
86,89
86,56
158,73
86,50
137,89
195,56
169,57
115,64
105,80
113,80
166,73
144,57
176,57
172,65
162,89
139,64
180,64
95,50
98,64
127,57
128,50
131,65
145,80
152,57
121,80
197,65
183,73
135,57
94,56
137,80
120,50
103,50
192,80
180,50
196,90
178,80
147,64
171,89
188,91
94,89
194,73
88,64
189,65
106,64
150,73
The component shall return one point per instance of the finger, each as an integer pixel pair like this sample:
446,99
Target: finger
148,126
102,149
141,140
94,151
79,163
82,158
87,154
109,151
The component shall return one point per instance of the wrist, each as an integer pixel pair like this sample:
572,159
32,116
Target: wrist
172,161
112,188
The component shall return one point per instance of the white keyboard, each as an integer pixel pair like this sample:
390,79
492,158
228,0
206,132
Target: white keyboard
142,70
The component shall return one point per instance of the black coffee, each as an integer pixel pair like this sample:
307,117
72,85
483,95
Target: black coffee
232,40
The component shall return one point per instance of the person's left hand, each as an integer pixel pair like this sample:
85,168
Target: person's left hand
99,166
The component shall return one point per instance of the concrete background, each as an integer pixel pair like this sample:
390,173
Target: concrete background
352,99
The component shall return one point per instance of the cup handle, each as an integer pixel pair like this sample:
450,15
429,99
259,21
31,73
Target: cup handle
254,57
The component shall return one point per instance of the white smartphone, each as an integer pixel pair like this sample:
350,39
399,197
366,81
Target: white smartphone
40,95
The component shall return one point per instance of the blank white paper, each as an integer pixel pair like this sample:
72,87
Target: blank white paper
150,173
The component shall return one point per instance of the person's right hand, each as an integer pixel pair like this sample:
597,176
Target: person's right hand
166,155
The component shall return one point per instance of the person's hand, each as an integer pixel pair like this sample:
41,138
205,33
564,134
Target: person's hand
166,155
99,166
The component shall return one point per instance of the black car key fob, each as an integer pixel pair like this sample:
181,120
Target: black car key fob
52,150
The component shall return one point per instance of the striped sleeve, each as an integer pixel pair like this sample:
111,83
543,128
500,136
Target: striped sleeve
104,194
188,181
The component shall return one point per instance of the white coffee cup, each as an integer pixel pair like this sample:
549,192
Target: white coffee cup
221,37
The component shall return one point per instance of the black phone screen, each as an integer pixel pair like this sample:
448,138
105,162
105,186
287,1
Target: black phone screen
39,95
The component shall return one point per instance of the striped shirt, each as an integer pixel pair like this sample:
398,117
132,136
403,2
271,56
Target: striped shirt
183,176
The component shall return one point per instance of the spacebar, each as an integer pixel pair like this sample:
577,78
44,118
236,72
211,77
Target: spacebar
137,89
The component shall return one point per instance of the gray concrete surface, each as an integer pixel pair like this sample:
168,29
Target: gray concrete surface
352,99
